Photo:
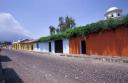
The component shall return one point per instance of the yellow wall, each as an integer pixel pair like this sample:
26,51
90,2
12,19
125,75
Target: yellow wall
23,46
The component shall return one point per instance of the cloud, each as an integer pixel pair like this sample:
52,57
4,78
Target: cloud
11,29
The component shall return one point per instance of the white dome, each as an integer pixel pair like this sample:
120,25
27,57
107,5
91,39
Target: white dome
112,9
113,12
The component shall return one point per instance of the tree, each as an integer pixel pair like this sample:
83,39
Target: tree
52,30
66,23
61,23
69,22
57,30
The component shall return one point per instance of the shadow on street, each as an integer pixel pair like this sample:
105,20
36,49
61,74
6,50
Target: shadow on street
4,58
8,74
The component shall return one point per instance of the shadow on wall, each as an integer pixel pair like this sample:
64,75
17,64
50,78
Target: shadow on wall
8,74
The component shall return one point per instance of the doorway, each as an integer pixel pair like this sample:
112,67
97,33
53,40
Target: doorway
83,47
58,46
49,46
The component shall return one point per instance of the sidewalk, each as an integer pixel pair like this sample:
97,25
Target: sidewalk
86,57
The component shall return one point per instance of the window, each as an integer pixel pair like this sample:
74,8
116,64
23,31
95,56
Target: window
37,45
118,14
50,49
112,15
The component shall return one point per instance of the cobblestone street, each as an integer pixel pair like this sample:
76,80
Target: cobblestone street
30,67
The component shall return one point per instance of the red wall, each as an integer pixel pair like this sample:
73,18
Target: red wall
113,43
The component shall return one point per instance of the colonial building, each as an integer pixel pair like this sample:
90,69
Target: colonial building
56,46
102,41
25,44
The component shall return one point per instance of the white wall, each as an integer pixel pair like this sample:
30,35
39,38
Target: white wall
115,14
53,47
35,47
44,47
65,46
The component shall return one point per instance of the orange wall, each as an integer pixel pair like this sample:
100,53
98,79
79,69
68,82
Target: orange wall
74,45
114,43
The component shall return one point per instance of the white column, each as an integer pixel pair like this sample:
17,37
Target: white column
66,46
53,46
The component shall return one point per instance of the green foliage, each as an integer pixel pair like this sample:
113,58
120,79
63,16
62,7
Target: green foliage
52,30
113,23
90,28
125,21
66,23
44,39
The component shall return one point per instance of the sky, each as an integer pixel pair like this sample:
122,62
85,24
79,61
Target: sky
31,18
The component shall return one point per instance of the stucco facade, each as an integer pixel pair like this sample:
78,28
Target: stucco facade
41,47
110,43
25,44
44,46
75,46
107,43
66,46
52,46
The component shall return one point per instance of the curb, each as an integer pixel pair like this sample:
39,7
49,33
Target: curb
116,59
112,59
103,58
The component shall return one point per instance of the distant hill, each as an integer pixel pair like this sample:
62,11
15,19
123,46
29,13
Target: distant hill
10,28
8,36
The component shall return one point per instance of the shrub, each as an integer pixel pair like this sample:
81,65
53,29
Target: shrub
90,28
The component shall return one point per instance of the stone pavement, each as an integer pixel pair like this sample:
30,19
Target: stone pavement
31,67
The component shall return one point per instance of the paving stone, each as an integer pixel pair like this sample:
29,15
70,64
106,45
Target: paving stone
31,67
